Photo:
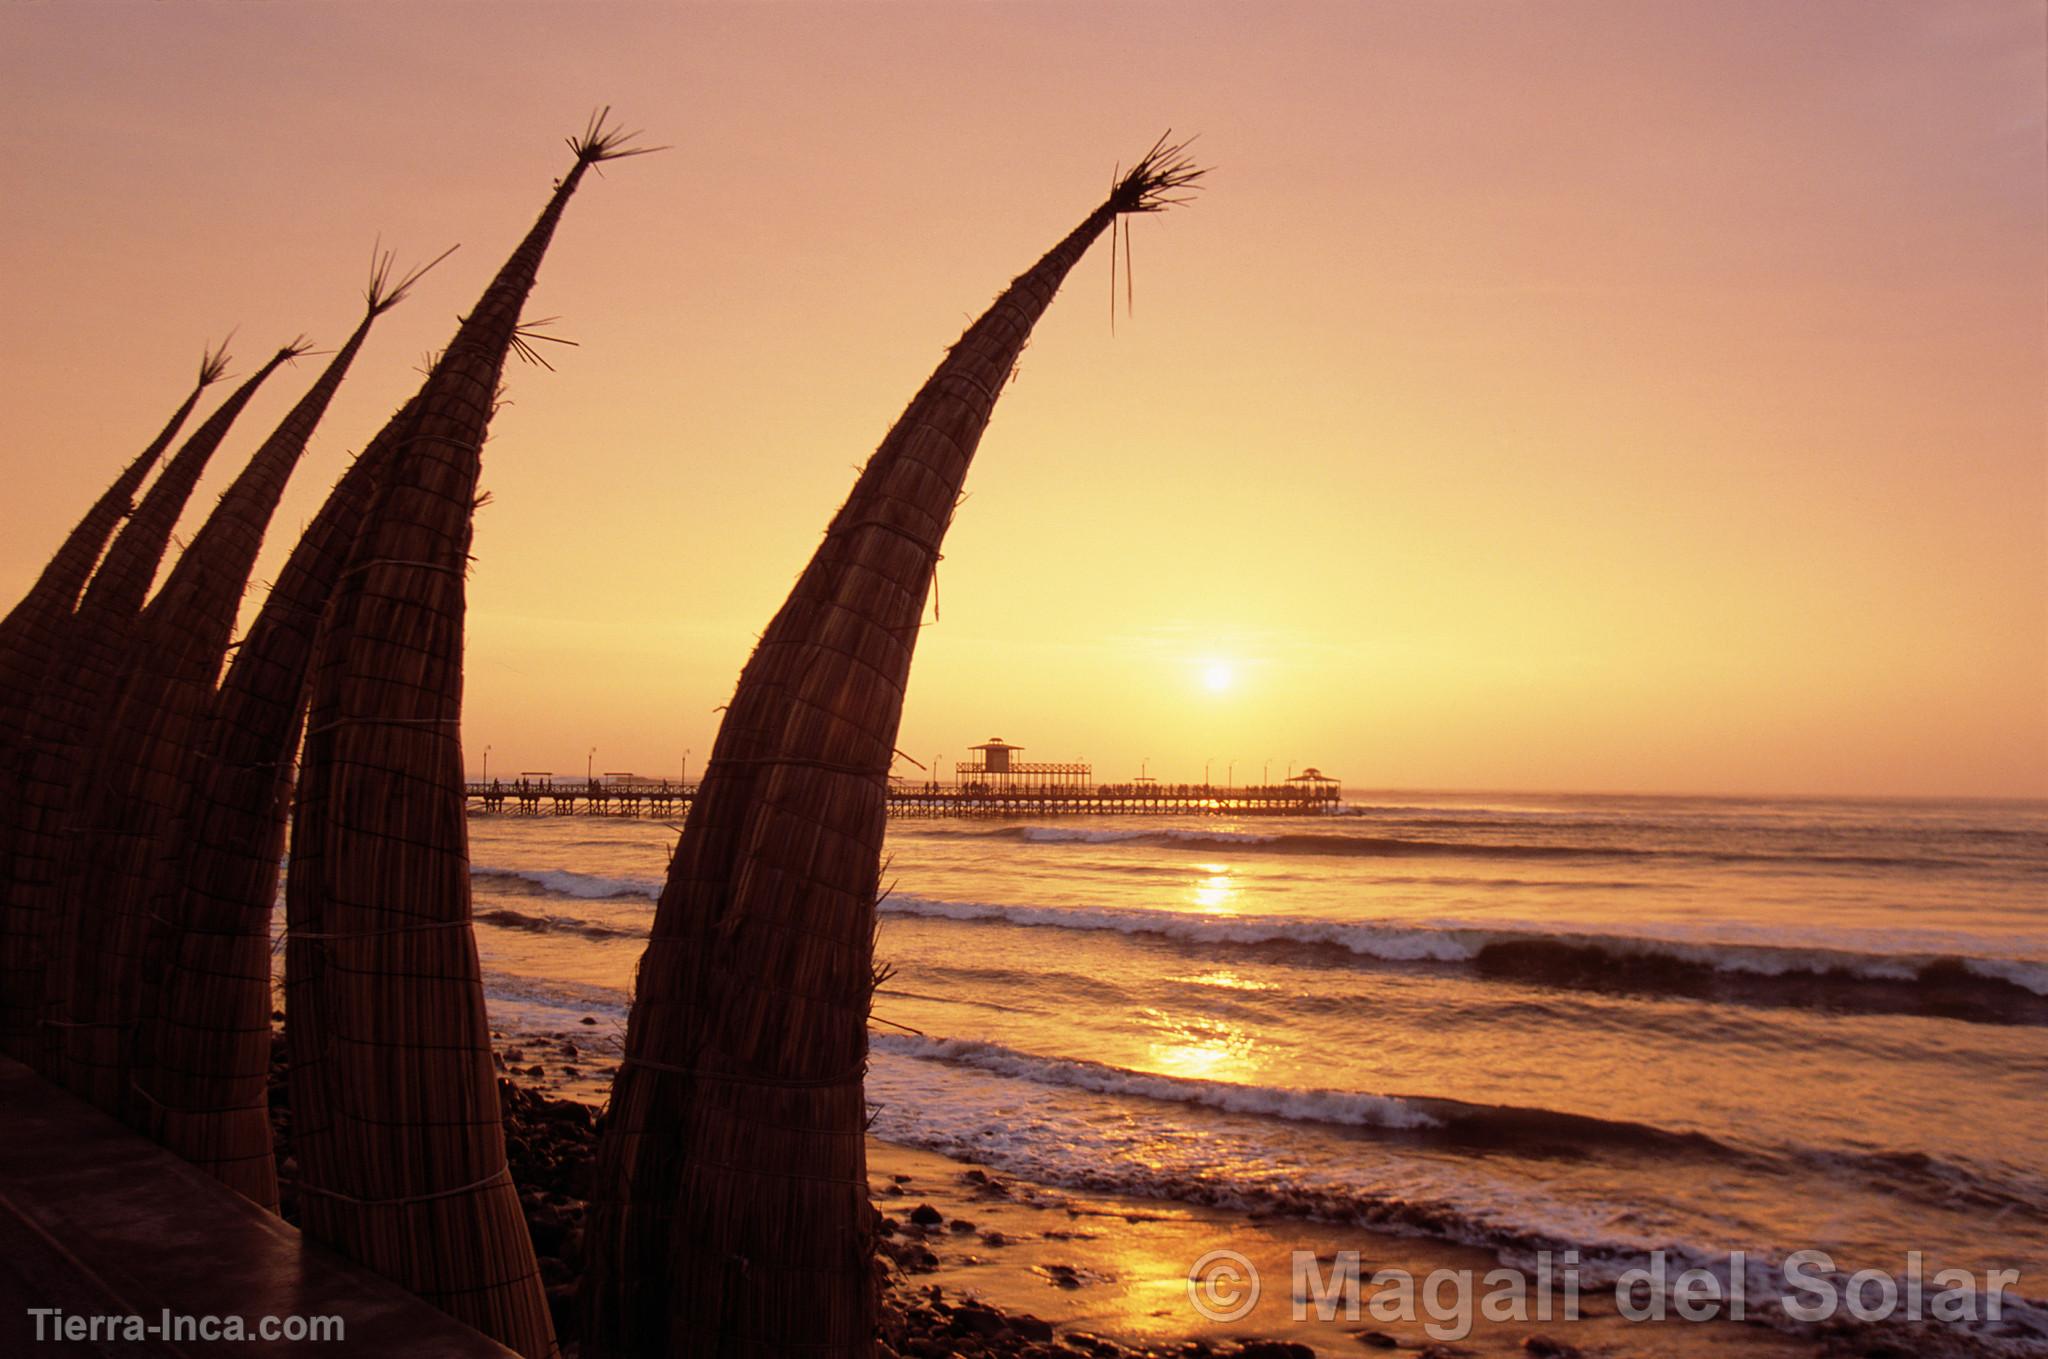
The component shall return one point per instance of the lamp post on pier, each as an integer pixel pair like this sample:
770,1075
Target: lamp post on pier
487,764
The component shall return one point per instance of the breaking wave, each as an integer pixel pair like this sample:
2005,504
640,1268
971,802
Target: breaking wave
1300,1106
1568,958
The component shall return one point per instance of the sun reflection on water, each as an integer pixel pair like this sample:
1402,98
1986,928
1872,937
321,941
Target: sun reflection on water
1216,892
1225,979
1198,1047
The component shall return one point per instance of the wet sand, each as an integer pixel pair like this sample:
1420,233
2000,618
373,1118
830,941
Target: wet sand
1095,1266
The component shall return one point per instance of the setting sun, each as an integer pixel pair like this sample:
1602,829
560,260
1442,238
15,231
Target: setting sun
1218,676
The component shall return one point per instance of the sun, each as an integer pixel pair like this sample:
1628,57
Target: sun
1218,676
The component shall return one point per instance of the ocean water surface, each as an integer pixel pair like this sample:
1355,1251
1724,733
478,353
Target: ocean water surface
1609,1023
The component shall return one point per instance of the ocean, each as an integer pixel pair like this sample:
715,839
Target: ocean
1611,1024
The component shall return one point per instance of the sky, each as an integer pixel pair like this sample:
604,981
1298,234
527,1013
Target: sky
1554,396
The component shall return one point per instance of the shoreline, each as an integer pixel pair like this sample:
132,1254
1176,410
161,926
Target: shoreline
976,1262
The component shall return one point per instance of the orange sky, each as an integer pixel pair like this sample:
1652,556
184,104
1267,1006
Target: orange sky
1636,396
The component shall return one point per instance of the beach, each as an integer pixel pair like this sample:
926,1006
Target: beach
1447,1033
971,1263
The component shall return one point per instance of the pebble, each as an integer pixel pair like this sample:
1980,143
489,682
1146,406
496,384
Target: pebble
1548,1347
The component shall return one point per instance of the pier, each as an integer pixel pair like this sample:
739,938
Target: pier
993,783
670,799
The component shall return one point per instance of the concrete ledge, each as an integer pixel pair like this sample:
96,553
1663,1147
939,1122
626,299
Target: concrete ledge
98,1221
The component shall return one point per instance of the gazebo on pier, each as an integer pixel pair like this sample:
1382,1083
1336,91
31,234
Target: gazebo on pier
1315,785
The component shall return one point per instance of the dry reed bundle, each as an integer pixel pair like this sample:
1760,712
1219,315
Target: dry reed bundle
394,1095
202,1047
64,719
34,629
730,1212
28,635
135,774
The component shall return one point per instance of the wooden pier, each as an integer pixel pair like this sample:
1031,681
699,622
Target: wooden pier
670,799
